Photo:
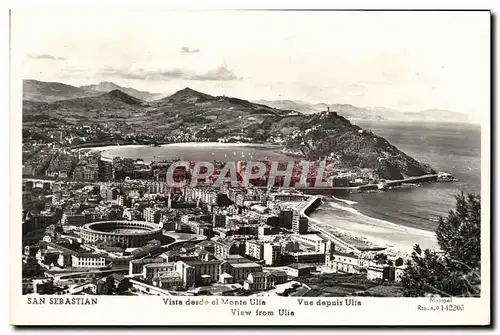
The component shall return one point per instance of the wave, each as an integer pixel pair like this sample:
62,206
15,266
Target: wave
349,202
407,185
381,222
344,208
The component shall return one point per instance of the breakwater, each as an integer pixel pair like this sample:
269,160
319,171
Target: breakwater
307,207
314,205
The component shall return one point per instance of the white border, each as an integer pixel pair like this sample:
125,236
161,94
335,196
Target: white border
403,311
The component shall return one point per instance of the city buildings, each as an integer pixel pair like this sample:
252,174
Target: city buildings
88,260
300,225
117,230
260,281
272,253
152,215
317,243
342,262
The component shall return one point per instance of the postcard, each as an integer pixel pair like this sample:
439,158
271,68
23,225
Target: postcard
250,167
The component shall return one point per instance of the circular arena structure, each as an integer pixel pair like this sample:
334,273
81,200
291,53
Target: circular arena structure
129,234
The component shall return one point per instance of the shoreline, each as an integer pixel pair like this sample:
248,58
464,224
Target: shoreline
179,144
107,151
366,233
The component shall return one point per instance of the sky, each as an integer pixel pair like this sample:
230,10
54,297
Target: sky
401,60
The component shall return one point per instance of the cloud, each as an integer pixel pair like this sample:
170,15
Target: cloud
221,73
356,90
188,50
45,56
119,73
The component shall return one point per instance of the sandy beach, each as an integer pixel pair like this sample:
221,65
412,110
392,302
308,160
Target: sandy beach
353,227
112,147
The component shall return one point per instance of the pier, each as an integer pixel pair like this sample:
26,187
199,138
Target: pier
340,190
410,180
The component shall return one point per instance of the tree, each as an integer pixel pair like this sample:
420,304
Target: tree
124,285
110,283
455,270
459,235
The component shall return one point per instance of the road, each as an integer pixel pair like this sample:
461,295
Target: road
179,238
63,275
183,237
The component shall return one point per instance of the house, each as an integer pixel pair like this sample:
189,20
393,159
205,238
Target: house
226,278
171,256
241,270
167,279
102,287
255,282
225,248
375,273
299,270
383,273
259,281
151,270
120,282
204,255
342,262
88,260
65,259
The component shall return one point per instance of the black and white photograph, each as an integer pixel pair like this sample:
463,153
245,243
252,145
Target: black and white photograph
230,159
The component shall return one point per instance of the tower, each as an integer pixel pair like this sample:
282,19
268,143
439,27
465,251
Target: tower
330,248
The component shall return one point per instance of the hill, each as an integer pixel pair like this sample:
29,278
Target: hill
107,86
105,107
184,96
295,105
189,115
190,111
34,90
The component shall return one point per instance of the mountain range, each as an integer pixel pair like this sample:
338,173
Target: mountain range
34,90
107,86
370,113
192,115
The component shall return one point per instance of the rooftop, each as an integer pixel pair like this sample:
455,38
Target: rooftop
159,265
335,253
148,260
194,263
117,277
168,274
246,265
275,273
89,255
299,266
311,237
257,274
228,257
